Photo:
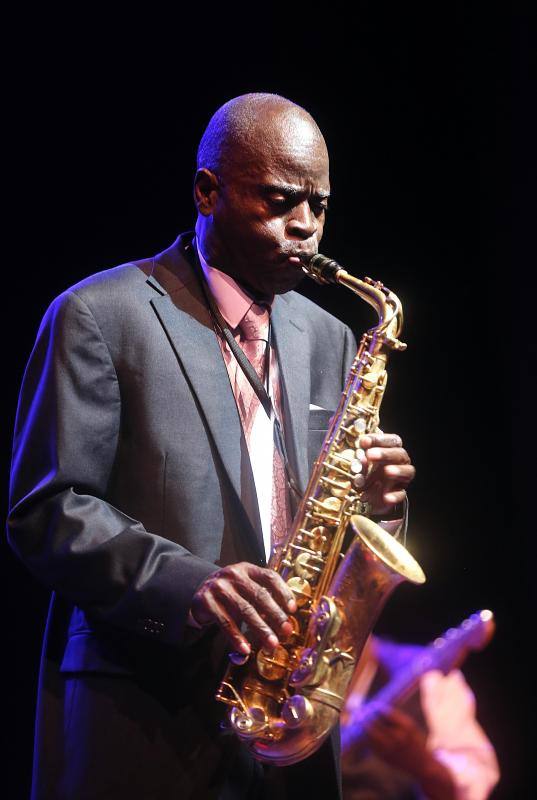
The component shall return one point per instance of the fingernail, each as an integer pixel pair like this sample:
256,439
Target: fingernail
365,442
286,628
390,498
392,470
273,640
239,659
374,452
244,647
291,605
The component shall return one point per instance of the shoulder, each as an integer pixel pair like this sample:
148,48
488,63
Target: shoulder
94,310
116,283
104,294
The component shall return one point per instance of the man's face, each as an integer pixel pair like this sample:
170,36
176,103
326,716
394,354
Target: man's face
270,207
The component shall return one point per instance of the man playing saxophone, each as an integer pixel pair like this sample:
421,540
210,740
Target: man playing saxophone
147,491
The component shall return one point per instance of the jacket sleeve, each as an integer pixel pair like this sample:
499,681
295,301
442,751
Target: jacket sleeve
59,524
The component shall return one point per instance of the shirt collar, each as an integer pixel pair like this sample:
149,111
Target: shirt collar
232,300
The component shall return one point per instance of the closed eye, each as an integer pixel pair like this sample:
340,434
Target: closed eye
284,198
318,207
282,202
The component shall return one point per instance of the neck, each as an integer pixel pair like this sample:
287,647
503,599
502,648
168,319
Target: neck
213,256
210,247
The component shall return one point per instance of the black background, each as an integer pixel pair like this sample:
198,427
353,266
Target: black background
428,118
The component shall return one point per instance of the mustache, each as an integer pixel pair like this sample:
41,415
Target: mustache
303,253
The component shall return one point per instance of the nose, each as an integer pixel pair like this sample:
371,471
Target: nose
302,223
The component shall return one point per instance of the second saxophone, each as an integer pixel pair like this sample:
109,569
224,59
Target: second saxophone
340,565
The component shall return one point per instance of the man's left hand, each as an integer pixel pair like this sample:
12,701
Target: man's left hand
389,471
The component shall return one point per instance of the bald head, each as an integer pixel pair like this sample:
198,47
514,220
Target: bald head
261,190
251,124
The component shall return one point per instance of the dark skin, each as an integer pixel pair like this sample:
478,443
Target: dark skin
254,220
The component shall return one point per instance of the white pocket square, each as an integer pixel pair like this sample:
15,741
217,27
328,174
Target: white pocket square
317,408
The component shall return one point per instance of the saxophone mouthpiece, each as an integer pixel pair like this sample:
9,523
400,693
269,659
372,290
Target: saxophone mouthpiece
320,268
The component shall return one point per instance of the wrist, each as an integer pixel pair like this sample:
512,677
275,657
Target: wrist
395,513
395,520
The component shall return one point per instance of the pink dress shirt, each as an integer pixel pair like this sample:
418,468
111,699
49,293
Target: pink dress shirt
233,302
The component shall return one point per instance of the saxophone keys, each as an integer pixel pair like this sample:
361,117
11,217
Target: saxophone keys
250,722
359,481
370,379
273,665
337,488
342,490
303,567
301,590
306,667
356,466
290,639
319,540
331,504
296,710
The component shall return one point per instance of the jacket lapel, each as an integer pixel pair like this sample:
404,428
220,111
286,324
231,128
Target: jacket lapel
293,347
181,309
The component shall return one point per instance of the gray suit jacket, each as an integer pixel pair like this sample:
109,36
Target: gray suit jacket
131,481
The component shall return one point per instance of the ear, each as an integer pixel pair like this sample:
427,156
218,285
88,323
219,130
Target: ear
206,188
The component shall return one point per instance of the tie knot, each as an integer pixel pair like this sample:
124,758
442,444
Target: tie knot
254,324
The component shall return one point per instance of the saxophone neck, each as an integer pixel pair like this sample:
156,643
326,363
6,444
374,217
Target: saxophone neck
389,310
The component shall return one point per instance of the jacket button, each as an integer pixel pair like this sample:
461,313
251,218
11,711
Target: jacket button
153,626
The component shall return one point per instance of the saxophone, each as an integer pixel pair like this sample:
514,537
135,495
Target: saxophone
340,565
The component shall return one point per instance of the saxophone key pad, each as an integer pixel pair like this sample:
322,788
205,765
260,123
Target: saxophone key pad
301,589
250,722
341,489
306,667
319,541
331,504
273,665
296,710
304,568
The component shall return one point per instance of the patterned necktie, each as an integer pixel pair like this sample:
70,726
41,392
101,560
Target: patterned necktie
253,340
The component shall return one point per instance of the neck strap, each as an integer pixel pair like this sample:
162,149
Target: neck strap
247,368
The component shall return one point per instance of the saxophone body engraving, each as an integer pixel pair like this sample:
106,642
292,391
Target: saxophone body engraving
340,565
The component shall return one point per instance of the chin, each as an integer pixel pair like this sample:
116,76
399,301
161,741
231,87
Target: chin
288,282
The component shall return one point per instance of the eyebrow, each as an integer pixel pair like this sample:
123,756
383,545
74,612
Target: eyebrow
291,190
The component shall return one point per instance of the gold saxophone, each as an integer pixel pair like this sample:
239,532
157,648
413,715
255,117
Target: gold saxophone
340,565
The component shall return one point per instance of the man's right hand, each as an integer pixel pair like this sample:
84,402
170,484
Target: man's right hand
246,593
